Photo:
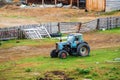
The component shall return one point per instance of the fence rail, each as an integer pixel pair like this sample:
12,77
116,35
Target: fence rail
63,27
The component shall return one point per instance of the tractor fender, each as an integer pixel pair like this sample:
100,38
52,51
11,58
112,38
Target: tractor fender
81,43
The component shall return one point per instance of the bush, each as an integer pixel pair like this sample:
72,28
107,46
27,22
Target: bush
83,71
113,78
113,68
88,76
28,70
95,74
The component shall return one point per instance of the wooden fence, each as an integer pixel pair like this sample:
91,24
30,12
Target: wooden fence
101,23
63,27
112,5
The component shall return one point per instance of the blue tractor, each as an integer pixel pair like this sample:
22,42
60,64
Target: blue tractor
74,46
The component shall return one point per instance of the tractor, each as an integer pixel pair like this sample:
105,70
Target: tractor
74,46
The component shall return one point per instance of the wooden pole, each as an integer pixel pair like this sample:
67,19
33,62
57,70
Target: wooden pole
117,22
1,37
55,3
78,1
71,3
59,31
79,27
26,1
98,24
43,2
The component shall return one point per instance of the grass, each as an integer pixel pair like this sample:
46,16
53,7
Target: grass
14,43
93,66
99,65
112,12
111,31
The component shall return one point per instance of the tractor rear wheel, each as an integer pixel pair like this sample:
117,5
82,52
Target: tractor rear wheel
62,54
83,49
53,54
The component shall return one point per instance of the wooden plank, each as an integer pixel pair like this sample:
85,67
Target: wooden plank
95,5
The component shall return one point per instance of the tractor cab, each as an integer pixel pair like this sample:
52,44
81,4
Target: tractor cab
75,37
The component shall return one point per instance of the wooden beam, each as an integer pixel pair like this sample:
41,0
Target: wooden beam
26,1
71,3
43,2
55,2
59,30
78,1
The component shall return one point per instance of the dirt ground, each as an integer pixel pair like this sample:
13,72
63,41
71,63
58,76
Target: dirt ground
19,16
96,41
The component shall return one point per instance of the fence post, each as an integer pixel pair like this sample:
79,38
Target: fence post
110,23
18,34
59,30
98,24
79,27
107,22
0,37
116,22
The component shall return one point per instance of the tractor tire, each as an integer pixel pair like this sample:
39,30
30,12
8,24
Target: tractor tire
83,49
53,54
62,54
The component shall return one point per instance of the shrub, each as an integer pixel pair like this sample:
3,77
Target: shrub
113,68
117,72
28,70
83,71
95,74
88,76
106,73
113,78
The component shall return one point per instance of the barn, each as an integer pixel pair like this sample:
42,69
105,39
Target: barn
88,5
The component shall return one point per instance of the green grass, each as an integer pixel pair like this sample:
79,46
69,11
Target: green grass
93,66
99,65
111,13
111,31
25,42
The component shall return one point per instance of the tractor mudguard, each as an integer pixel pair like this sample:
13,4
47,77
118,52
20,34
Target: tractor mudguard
81,43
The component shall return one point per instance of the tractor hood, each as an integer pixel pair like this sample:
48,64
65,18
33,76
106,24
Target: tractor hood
60,45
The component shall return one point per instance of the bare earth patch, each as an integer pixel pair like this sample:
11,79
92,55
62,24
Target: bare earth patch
60,75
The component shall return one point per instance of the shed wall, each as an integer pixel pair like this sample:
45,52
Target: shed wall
95,5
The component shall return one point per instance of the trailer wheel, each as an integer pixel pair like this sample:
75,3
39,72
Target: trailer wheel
83,49
62,54
53,54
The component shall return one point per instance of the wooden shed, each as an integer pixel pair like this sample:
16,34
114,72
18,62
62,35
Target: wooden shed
102,5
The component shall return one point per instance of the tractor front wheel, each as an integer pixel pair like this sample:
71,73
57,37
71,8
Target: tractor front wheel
53,54
83,49
62,54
